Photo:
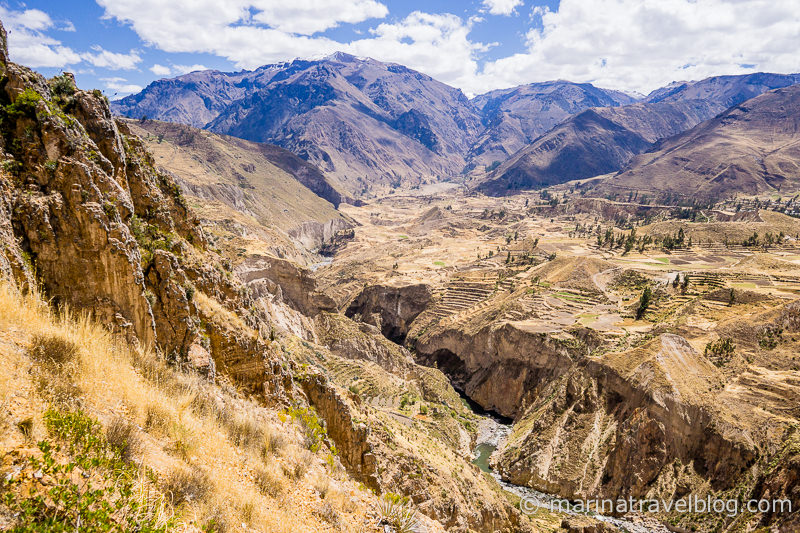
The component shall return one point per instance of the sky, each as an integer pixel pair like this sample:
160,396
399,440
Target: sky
120,46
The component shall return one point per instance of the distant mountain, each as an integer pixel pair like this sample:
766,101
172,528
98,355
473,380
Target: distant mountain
753,147
193,99
596,141
603,140
724,91
515,117
370,126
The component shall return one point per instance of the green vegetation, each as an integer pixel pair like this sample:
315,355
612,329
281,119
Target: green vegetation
150,238
396,511
62,86
571,297
313,427
24,105
770,336
644,303
720,352
81,482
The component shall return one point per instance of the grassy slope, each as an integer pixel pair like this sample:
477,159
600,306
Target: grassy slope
248,464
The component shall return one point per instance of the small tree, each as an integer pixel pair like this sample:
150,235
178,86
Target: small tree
644,303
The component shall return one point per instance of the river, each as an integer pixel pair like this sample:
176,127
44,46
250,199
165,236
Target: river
492,432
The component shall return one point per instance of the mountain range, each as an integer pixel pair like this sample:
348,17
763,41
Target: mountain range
372,127
751,148
602,140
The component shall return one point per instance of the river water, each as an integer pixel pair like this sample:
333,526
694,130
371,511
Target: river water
492,433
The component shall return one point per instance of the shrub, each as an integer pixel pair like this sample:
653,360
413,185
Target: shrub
396,511
313,427
62,86
123,437
214,520
244,431
297,468
322,485
24,105
25,427
770,336
52,350
79,483
326,511
644,303
183,441
157,418
268,483
186,485
274,442
56,361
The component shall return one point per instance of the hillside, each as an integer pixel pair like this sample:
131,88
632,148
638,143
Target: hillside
515,117
752,148
248,194
604,140
368,125
594,142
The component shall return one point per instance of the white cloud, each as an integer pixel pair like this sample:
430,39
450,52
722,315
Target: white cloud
120,86
28,45
307,17
175,25
501,7
437,45
160,70
625,44
643,44
185,69
111,60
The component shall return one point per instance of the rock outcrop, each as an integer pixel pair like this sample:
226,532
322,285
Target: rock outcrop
391,308
501,367
84,208
292,283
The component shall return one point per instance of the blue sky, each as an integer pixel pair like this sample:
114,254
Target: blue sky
120,46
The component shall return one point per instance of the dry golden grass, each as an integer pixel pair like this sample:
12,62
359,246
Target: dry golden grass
219,458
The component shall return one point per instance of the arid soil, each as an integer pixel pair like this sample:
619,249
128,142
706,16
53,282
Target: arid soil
531,308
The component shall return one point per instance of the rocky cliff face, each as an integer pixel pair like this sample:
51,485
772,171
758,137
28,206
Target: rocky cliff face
500,366
77,188
105,232
610,433
391,308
